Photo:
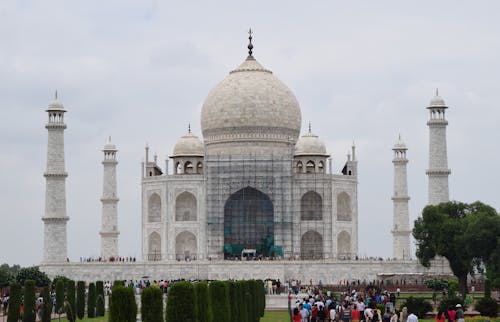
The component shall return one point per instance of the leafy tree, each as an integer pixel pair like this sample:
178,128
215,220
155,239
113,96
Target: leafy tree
29,314
487,307
181,303
456,231
202,302
62,278
91,301
59,296
219,296
6,276
99,291
46,305
152,304
70,306
80,299
32,273
417,305
122,307
14,302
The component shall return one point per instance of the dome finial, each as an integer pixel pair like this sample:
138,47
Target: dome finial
55,96
189,127
309,127
437,91
250,46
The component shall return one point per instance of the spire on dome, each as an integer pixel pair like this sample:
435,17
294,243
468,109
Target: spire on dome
309,127
189,127
55,96
250,46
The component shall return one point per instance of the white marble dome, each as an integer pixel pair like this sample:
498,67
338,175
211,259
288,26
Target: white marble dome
437,101
188,145
250,105
310,144
56,105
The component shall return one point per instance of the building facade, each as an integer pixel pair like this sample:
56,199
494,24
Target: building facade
252,185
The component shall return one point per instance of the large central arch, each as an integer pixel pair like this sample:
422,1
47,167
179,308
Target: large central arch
248,222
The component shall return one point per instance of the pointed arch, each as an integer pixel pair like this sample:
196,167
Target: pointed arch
186,208
186,247
310,166
154,208
344,244
299,168
248,222
311,206
199,168
311,245
188,167
154,247
321,167
344,212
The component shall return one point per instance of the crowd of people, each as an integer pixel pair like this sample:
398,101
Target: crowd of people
110,259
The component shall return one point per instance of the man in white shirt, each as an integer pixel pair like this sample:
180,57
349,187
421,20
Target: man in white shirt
412,318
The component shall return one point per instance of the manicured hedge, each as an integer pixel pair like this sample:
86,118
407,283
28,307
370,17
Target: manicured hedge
181,303
14,302
152,304
80,299
219,295
46,305
59,296
91,301
203,313
70,297
122,306
240,302
29,301
99,291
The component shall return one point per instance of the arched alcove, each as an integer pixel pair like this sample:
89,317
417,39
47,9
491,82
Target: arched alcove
311,206
344,207
186,207
311,245
344,244
186,246
154,208
154,247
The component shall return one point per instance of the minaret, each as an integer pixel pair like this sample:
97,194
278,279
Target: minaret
109,231
401,219
55,218
438,171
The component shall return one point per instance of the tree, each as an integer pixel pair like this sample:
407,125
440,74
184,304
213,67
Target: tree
241,302
152,304
181,303
99,291
80,299
46,305
29,314
70,306
14,302
122,306
202,302
6,276
418,306
59,296
91,301
454,230
32,273
219,296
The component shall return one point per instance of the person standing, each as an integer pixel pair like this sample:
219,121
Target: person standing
412,318
459,313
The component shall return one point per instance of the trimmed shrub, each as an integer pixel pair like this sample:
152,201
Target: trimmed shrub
219,296
152,304
91,301
70,307
122,306
14,302
46,305
250,307
181,303
241,302
59,296
99,302
233,299
487,307
29,301
80,299
418,306
202,302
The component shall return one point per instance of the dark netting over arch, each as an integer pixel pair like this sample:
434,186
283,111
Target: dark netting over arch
248,222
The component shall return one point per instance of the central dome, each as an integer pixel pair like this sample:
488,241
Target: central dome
250,111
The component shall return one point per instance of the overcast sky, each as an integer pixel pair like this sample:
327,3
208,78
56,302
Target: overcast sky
140,71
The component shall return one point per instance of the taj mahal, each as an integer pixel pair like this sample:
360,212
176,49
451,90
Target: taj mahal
254,197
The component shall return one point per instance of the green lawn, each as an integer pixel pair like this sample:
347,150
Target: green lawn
99,319
275,316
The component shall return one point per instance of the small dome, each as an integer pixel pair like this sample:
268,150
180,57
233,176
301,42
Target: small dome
310,144
55,105
437,101
110,146
189,145
399,145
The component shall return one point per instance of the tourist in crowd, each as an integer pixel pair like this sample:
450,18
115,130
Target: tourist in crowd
451,314
387,315
404,315
441,316
395,316
412,318
459,313
296,315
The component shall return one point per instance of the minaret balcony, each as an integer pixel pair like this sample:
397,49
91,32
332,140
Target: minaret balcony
62,174
438,172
